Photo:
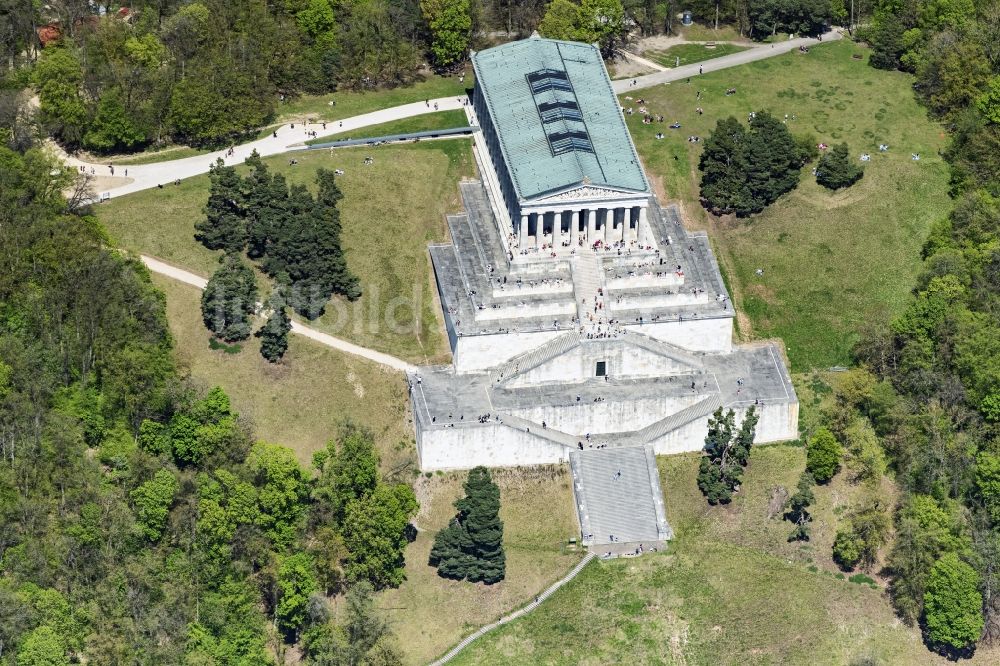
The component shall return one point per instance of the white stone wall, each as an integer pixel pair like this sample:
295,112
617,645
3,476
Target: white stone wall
493,445
607,417
478,353
707,335
549,308
779,422
580,364
498,445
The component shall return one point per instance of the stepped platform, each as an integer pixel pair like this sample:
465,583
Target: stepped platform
539,390
618,499
484,291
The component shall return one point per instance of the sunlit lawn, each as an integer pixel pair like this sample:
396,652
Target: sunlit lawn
302,401
391,210
729,589
686,54
430,613
830,261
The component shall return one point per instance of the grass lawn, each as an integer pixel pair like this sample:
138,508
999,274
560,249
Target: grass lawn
171,153
696,32
690,53
831,260
302,401
349,103
390,211
728,590
430,613
426,122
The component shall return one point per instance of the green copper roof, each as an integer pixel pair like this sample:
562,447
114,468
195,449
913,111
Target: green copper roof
558,120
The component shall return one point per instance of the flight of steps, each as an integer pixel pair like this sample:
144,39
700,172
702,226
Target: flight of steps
666,425
618,493
535,357
682,356
587,280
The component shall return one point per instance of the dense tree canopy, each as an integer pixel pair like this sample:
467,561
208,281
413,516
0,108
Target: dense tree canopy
600,22
230,300
450,22
142,523
953,606
823,453
836,169
746,169
294,235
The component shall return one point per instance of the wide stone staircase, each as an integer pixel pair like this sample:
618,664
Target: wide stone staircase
618,496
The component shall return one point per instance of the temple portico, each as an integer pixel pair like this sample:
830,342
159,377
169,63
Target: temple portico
561,229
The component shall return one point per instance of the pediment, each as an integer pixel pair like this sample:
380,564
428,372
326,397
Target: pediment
584,193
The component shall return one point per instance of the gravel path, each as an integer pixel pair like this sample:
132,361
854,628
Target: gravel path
146,176
189,278
715,64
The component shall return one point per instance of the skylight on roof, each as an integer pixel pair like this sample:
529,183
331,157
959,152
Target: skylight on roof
559,111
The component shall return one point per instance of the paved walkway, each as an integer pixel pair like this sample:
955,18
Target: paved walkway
147,176
724,62
186,277
635,57
516,614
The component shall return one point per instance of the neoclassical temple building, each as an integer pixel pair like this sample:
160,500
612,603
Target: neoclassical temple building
586,323
566,167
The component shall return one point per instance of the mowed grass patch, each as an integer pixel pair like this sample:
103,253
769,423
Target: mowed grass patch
302,401
349,103
429,613
175,152
697,32
830,261
422,123
729,589
390,211
692,53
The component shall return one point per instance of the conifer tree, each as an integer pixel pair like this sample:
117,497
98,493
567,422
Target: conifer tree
727,452
229,299
745,170
274,334
224,226
798,508
836,170
471,547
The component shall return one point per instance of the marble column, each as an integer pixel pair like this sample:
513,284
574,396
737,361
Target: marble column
556,229
591,225
576,218
642,226
609,223
539,226
623,235
522,232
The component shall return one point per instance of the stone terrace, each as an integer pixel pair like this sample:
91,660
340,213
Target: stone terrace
485,291
748,375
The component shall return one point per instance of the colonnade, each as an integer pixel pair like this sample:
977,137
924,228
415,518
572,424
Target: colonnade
608,225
